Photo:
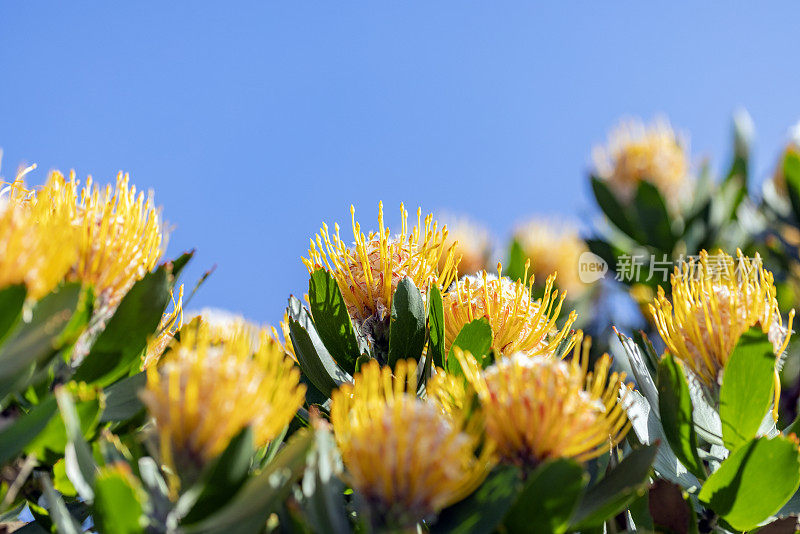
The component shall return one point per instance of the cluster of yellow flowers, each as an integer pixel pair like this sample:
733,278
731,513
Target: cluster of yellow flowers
531,405
408,449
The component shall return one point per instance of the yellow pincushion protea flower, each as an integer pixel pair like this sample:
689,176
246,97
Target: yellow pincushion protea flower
206,390
121,235
518,323
369,270
37,242
636,152
539,407
470,241
405,456
714,301
553,247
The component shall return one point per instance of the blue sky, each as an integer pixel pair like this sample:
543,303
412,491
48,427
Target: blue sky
255,121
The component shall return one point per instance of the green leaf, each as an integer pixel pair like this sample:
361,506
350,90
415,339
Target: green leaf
324,504
118,506
247,512
475,337
754,482
223,478
61,481
616,490
675,407
542,508
407,325
54,437
436,326
79,462
791,173
484,509
746,391
34,342
332,320
314,359
118,348
177,265
612,209
651,357
16,436
607,251
122,398
515,267
12,299
653,217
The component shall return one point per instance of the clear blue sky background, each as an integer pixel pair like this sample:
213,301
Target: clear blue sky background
255,121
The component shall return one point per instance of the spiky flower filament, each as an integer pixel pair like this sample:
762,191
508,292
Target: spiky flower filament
405,456
518,323
37,242
284,338
553,246
637,152
171,323
204,391
539,407
714,301
369,270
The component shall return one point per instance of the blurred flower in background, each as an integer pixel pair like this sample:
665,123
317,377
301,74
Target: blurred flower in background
553,246
471,240
638,152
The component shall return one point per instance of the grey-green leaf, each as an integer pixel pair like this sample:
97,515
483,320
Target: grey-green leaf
754,482
407,325
332,319
247,512
747,388
675,407
119,346
436,326
485,508
548,498
616,490
475,337
653,217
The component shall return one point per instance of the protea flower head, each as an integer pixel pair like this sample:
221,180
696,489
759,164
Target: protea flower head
714,301
406,457
471,242
369,270
553,246
540,407
208,388
637,152
121,234
519,324
38,245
